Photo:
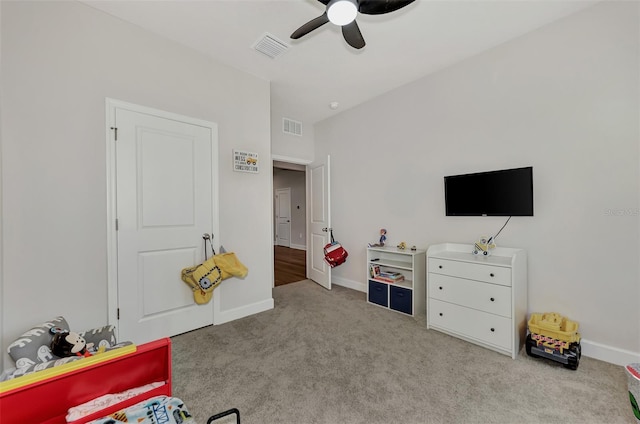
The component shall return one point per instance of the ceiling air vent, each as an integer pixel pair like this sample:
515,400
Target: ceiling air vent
270,46
289,126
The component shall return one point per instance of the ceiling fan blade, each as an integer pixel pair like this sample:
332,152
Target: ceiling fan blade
310,26
379,7
352,35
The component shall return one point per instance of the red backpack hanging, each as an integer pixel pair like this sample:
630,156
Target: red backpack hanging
334,253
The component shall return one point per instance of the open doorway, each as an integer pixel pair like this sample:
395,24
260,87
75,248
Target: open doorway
290,222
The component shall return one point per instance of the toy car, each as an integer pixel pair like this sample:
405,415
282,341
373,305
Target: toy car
483,246
554,337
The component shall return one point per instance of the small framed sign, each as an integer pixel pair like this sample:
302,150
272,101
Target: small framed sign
245,161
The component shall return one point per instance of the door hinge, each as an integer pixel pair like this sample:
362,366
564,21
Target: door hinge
118,314
115,132
116,224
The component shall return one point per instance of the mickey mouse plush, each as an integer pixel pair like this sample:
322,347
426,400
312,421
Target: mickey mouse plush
68,343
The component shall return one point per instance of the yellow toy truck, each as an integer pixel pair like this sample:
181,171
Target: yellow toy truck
555,337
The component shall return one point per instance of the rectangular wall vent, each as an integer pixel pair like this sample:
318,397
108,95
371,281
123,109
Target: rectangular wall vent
289,126
270,45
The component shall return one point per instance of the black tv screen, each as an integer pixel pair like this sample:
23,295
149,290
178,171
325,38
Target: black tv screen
507,192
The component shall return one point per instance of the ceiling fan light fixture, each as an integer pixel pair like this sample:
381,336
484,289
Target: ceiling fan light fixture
342,12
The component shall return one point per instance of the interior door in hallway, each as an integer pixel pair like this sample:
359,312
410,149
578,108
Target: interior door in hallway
166,172
318,185
283,217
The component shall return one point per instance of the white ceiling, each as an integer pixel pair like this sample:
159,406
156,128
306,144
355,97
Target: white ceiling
321,68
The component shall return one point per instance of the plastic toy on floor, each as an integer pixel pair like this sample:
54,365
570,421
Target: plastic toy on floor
555,337
633,377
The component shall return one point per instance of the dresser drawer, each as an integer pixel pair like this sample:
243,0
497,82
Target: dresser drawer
471,270
473,324
486,297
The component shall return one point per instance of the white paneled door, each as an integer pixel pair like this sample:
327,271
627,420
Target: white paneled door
318,181
283,217
166,199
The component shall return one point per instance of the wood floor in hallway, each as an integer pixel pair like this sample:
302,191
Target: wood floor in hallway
290,265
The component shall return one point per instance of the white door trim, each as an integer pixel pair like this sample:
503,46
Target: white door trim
290,159
112,238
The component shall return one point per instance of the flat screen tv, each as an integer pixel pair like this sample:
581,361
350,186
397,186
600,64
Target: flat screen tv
507,192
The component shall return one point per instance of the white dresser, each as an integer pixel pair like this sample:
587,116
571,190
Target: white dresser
481,299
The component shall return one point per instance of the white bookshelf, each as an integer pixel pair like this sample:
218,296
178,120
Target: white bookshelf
407,296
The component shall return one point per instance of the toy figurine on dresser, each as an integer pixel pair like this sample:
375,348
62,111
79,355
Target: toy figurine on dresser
484,246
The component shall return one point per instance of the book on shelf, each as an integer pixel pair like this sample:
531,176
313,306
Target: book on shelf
374,270
384,275
389,280
390,274
390,277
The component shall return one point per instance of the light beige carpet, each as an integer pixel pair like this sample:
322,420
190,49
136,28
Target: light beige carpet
330,357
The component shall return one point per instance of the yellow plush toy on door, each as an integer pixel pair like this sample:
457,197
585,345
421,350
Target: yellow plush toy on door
208,275
230,266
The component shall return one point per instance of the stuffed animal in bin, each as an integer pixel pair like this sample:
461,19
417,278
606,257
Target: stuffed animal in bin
68,343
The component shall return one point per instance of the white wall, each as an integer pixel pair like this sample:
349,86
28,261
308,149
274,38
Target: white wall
563,99
60,60
2,344
292,148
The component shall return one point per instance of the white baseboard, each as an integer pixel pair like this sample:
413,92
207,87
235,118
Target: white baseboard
609,354
589,348
350,284
243,311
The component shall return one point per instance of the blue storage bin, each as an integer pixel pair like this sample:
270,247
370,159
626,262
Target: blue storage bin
378,293
401,299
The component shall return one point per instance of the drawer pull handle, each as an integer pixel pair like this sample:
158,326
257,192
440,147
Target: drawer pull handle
440,266
440,287
440,314
493,329
492,299
492,275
